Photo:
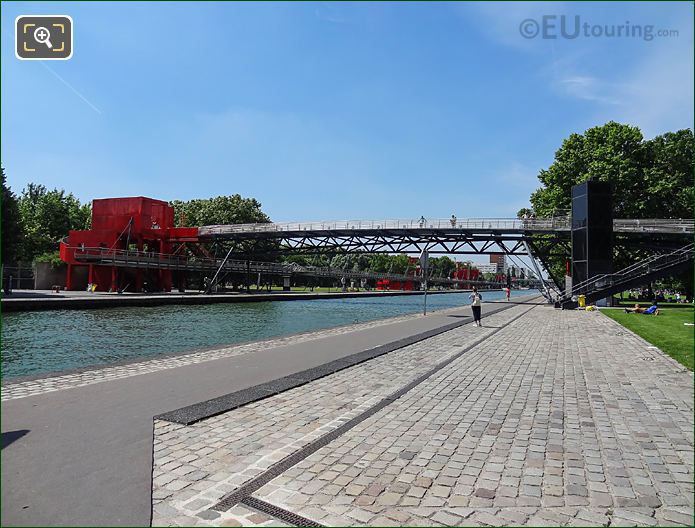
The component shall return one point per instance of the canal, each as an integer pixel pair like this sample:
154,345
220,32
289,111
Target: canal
44,342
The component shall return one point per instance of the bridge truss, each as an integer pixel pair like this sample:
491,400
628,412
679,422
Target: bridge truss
539,239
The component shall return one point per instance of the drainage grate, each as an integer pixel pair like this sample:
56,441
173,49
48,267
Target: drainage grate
278,513
295,458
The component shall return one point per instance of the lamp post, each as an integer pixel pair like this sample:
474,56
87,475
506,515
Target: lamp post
424,264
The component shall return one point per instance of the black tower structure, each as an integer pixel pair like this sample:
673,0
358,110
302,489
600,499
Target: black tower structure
592,230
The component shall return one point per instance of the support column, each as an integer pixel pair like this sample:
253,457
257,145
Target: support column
68,280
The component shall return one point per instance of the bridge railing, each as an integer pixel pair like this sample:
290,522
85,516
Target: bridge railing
105,256
561,223
643,267
656,225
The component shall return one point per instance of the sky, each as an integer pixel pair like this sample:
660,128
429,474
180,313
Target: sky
332,111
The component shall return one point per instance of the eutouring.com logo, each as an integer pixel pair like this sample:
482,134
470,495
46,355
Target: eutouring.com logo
572,27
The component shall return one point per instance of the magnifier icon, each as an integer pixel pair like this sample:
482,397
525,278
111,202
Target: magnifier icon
42,36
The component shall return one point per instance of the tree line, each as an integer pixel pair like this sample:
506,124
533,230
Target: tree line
34,223
376,262
650,178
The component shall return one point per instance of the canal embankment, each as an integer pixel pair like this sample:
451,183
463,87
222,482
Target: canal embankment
34,300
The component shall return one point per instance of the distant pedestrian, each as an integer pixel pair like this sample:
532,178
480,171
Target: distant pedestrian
508,292
476,299
422,221
453,220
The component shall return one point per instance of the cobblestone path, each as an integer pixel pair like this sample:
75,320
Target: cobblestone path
558,418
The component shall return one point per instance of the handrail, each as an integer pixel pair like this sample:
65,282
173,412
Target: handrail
562,223
652,263
142,257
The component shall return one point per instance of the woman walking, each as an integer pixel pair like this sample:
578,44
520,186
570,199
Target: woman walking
475,299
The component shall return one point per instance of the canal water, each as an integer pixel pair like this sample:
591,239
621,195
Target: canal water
46,342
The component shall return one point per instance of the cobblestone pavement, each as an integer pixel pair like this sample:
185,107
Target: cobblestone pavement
198,464
559,418
22,389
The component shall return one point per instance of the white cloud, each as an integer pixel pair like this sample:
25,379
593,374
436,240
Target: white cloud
658,96
652,89
589,89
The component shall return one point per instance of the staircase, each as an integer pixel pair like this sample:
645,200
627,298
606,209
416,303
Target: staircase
647,270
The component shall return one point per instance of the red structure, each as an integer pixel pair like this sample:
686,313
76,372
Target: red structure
386,284
126,224
465,272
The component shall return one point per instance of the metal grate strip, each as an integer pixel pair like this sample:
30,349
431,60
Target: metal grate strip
286,463
278,513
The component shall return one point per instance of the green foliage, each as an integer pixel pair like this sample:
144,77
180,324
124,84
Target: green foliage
377,262
442,266
219,210
650,179
11,224
46,218
524,212
52,257
381,263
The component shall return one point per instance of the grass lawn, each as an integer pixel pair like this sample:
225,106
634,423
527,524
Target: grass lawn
647,304
665,330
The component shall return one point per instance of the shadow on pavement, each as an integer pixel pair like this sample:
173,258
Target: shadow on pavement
11,436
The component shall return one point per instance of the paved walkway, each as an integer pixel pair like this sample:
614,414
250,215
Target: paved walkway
77,449
556,418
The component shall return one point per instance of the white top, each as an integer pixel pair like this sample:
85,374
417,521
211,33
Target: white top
475,299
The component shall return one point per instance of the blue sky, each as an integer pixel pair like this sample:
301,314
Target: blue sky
331,110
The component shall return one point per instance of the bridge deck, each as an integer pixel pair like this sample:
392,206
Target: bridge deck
439,226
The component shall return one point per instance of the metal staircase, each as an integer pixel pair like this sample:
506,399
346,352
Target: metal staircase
646,270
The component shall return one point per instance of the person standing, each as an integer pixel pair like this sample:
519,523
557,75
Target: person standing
507,292
476,299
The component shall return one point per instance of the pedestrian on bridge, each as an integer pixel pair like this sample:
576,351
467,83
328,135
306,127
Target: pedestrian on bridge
476,299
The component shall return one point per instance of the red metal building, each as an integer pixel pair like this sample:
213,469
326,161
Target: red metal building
125,224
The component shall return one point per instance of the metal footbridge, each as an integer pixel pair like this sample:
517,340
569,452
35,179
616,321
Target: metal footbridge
515,237
162,261
442,236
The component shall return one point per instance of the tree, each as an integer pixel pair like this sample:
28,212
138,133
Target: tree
222,210
11,224
380,263
219,210
650,179
442,266
47,217
524,212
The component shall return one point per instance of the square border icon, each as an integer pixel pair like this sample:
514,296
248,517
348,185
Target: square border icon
72,41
